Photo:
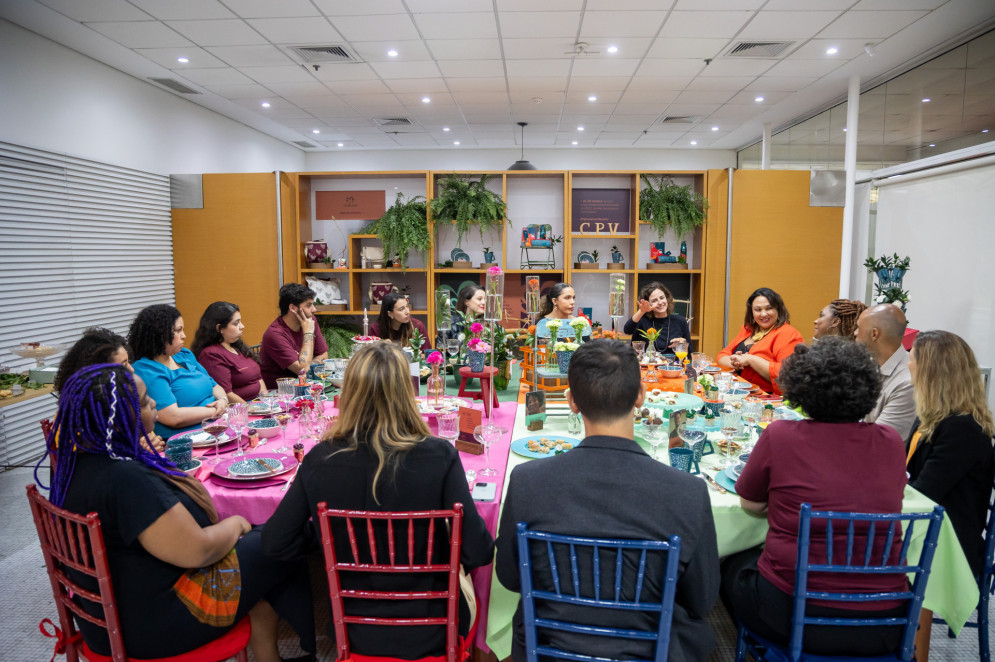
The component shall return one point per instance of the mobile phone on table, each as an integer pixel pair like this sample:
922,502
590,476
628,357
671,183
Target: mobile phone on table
484,491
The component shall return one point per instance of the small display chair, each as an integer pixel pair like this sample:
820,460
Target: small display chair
380,552
486,393
537,238
70,541
586,589
864,529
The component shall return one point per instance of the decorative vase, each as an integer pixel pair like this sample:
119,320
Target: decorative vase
897,276
378,290
494,290
489,256
316,250
436,386
503,377
617,256
475,361
563,361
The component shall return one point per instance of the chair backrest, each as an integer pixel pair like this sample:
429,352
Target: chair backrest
408,538
987,579
627,592
875,545
687,308
74,542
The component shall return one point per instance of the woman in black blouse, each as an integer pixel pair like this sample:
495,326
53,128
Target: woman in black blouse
655,306
379,456
950,456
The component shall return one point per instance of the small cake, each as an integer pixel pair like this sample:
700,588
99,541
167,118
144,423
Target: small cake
299,451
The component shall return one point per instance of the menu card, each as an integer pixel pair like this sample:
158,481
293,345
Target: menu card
676,418
468,420
535,410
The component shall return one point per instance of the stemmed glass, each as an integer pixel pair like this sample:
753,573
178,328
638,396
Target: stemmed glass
238,420
639,346
681,351
452,349
487,434
285,387
752,413
730,429
653,433
448,422
689,435
215,426
283,418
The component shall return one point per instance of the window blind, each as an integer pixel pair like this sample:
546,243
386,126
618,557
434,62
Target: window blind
82,243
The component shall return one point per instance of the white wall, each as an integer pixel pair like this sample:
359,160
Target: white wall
54,98
575,158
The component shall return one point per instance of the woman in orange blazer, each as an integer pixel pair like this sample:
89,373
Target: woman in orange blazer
765,340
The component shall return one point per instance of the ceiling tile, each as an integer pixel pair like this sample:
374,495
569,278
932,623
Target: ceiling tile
376,51
304,89
250,56
799,68
701,109
545,5
417,69
606,98
474,84
728,66
732,115
218,76
474,98
470,49
718,83
366,7
810,4
376,28
419,86
640,109
465,26
243,91
770,98
268,8
870,24
687,48
541,84
703,24
303,30
100,10
815,49
181,9
787,25
905,4
229,32
618,23
167,58
536,48
587,109
721,5
472,68
598,85
141,34
588,66
359,87
780,84
668,68
659,96
335,72
704,97
278,74
449,6
544,24
676,83
533,68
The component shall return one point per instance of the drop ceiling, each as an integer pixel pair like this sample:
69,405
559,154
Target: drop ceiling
601,73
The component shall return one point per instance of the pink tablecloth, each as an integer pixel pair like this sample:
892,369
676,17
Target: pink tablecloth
257,505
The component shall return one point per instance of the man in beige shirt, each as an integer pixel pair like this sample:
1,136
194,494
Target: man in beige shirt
880,328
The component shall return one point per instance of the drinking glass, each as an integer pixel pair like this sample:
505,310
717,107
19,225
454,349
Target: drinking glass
448,425
752,412
238,420
681,351
285,387
283,418
689,435
487,434
215,426
653,434
573,424
471,479
729,422
639,346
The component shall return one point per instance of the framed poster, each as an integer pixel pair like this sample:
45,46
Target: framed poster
349,205
600,211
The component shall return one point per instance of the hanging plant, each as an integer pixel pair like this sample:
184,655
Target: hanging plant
466,202
403,228
668,205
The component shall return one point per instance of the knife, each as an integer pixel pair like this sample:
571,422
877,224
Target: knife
711,481
264,465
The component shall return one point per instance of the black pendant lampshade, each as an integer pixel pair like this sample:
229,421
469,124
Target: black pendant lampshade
522,164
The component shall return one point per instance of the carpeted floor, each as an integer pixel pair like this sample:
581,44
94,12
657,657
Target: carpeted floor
26,595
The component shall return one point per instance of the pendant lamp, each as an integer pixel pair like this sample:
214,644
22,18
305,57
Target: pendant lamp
522,164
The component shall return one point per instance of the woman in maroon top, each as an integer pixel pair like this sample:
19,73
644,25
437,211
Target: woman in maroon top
219,347
834,462
396,323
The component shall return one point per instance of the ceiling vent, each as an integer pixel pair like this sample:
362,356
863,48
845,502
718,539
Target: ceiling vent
758,48
322,54
680,119
392,121
174,85
303,143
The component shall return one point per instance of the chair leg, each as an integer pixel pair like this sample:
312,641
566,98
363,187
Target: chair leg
740,645
983,627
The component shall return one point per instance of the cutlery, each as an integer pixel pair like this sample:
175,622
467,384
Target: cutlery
711,481
287,486
265,466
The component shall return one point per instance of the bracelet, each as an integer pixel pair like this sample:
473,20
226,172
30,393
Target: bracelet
308,334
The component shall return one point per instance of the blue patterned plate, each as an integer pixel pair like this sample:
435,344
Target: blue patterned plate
255,466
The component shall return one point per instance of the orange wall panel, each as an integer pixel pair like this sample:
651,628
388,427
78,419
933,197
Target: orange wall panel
715,261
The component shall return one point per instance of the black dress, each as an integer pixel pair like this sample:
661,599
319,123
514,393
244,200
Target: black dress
129,497
955,468
430,476
670,327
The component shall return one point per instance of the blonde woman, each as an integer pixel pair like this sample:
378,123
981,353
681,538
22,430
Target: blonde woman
950,449
380,456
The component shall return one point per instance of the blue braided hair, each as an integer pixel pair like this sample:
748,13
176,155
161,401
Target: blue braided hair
98,413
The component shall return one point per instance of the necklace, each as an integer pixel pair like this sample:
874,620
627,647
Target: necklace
666,336
759,335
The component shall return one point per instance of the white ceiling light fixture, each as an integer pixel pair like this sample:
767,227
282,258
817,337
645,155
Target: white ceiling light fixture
613,49
580,128
984,131
870,50
592,98
574,142
446,129
926,100
832,50
456,142
522,164
426,100
759,100
715,128
392,53
341,144
694,142
265,104
182,60
932,144
315,131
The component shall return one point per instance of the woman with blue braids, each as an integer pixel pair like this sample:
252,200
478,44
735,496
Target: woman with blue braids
182,578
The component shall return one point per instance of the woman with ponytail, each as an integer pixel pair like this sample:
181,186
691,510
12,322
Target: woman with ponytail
182,576
839,318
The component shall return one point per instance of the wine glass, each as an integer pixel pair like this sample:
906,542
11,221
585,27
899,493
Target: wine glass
448,422
487,434
729,429
285,387
215,426
452,350
238,420
681,351
653,434
283,418
752,413
639,346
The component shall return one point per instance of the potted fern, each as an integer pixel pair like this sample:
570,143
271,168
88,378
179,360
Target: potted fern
402,228
466,202
666,205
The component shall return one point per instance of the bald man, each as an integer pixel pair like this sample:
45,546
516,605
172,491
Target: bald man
880,328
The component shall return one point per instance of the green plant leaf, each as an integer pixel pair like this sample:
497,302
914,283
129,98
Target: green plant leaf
664,204
403,228
466,203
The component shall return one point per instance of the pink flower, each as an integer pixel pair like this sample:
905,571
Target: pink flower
494,271
482,347
434,357
472,344
476,327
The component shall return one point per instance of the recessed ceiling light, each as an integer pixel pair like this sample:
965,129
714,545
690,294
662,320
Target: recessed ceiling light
844,129
341,144
926,100
613,49
182,60
694,142
392,53
265,104
574,142
426,100
580,128
715,128
592,98
445,128
315,131
759,99
832,50
456,142
932,144
984,131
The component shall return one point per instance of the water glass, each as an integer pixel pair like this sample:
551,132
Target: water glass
573,424
448,422
653,434
238,421
471,479
730,429
487,434
639,346
215,426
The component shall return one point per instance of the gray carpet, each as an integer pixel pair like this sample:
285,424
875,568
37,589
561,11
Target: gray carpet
26,595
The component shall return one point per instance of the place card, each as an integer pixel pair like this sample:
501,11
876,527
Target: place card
676,419
535,410
468,420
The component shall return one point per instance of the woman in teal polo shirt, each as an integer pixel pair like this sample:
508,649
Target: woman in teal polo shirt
183,391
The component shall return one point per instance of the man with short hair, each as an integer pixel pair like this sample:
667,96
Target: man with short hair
881,328
292,341
609,487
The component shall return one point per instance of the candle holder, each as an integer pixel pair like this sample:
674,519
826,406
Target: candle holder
616,299
532,304
493,313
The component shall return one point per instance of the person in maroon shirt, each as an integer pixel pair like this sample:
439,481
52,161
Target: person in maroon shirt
396,323
219,347
833,462
293,340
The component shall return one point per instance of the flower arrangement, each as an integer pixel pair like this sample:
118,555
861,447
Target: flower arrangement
416,341
579,325
476,328
651,335
566,346
435,358
890,272
304,403
554,329
494,271
478,345
604,333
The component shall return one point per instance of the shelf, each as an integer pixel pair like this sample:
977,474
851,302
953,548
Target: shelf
360,312
534,271
576,272
325,271
450,270
390,270
362,236
591,235
669,271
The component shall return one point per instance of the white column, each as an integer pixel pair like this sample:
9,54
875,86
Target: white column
766,149
850,164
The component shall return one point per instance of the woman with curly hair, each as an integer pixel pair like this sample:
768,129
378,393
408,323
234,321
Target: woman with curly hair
97,345
655,311
839,318
766,339
184,393
219,347
182,576
834,462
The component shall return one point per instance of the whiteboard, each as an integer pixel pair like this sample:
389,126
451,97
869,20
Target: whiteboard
946,225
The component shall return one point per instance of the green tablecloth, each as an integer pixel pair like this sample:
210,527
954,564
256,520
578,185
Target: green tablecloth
951,593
